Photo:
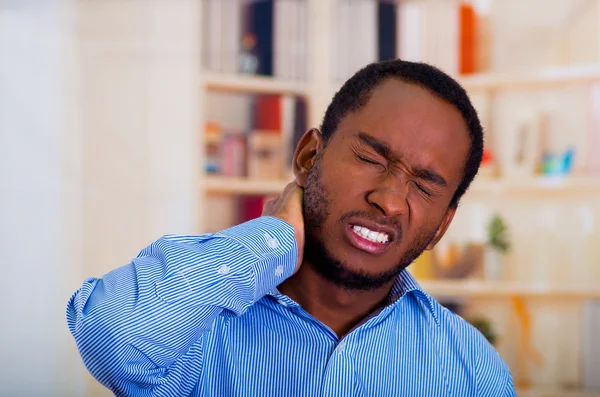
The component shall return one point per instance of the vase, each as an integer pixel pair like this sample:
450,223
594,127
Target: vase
492,264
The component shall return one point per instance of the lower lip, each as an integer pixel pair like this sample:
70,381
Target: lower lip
365,245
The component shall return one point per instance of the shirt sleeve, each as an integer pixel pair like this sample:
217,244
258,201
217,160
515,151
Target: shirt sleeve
493,376
139,327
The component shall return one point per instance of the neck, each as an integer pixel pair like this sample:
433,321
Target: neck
338,308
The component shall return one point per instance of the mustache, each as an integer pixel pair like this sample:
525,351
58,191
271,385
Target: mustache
367,215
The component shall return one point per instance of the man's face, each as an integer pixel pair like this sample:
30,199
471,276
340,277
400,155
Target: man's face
390,168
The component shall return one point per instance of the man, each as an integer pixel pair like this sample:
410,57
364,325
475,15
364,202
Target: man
312,298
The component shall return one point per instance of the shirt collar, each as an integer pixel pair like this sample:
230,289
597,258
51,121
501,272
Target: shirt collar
405,283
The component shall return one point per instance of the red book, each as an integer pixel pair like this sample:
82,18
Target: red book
267,113
250,207
467,62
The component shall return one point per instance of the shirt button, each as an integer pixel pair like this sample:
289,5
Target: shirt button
271,242
282,302
223,270
279,270
341,346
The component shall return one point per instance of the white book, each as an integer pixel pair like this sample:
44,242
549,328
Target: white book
369,38
303,40
342,40
279,36
232,25
294,42
226,35
440,32
410,39
355,42
215,34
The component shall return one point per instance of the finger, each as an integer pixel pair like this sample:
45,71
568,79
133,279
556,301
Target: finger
268,206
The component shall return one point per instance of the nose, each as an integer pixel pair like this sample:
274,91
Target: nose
389,200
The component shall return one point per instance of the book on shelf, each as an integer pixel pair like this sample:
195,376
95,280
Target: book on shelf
256,138
250,207
290,39
270,37
445,34
262,37
355,36
386,33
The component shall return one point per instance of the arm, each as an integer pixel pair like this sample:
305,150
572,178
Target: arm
138,327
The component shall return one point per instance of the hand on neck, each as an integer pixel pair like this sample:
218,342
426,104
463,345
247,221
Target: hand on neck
339,308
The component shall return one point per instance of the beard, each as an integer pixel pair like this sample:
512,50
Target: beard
317,203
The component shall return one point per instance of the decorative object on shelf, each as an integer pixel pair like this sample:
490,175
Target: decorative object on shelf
456,260
484,326
555,164
233,150
212,143
248,60
487,168
497,246
265,157
524,154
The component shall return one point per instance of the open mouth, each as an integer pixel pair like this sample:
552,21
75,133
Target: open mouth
366,233
367,240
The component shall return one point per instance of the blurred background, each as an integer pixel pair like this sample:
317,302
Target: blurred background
123,120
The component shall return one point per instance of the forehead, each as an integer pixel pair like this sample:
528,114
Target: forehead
416,124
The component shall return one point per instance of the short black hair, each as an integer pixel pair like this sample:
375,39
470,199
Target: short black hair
355,93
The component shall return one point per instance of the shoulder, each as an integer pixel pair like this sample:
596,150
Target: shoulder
461,339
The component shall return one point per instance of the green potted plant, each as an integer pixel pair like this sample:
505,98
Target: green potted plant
497,246
484,326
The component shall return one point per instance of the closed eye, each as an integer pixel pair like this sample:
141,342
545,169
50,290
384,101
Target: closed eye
422,189
367,160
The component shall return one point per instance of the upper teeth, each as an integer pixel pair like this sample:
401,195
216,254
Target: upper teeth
370,235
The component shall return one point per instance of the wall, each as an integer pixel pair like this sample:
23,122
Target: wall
98,157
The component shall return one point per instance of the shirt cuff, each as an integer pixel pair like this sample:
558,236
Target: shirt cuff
273,242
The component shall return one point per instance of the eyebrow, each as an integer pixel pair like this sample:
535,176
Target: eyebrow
384,150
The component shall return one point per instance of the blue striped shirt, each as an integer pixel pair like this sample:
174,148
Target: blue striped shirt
201,316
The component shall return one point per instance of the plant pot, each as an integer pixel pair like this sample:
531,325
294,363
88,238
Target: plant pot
492,264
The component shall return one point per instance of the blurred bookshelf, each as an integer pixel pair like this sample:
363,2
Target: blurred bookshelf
303,62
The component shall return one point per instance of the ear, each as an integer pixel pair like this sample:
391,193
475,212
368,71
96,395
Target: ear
442,228
306,152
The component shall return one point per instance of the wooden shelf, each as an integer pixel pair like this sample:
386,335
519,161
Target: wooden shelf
540,392
586,185
252,83
480,288
583,74
538,185
215,185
